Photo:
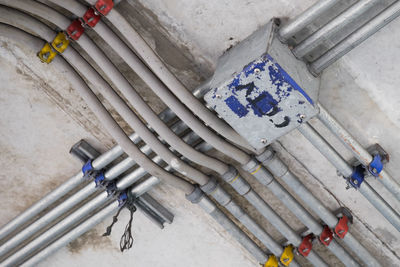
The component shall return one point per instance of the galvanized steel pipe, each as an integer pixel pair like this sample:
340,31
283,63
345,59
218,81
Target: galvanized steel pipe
357,149
336,25
344,168
281,171
356,38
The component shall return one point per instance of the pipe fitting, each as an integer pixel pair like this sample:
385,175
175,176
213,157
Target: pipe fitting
210,186
271,161
256,169
207,205
233,177
221,196
196,196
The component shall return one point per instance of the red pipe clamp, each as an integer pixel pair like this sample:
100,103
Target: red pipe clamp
75,29
104,6
326,236
342,227
91,17
306,245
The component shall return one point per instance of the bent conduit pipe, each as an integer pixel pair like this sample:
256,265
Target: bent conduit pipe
248,221
134,62
280,170
190,172
294,242
356,38
345,169
300,22
348,17
361,154
161,70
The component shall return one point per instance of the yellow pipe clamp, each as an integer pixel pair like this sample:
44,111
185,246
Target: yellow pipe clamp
287,255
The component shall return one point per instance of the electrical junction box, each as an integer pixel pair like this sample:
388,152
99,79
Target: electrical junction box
261,89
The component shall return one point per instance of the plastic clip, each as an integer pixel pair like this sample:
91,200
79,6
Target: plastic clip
376,166
60,42
100,179
75,29
104,6
111,188
47,53
91,17
287,255
122,198
271,262
326,236
87,168
306,245
342,227
357,177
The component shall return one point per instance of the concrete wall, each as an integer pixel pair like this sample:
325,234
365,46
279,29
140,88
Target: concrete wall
42,117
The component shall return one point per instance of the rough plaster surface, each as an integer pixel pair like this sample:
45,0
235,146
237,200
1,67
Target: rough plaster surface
190,36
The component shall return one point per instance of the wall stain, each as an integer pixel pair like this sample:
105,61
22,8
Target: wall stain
92,239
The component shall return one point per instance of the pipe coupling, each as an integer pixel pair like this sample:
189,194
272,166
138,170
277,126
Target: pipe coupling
233,177
271,161
217,192
259,172
196,196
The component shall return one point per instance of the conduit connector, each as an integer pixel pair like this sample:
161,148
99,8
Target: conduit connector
305,246
256,169
104,6
75,29
233,177
47,54
91,17
287,255
271,262
326,236
198,197
60,42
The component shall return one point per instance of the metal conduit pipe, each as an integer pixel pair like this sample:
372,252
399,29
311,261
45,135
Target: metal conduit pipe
87,95
161,70
193,176
346,170
98,163
300,22
205,203
356,38
348,17
281,171
81,195
267,179
357,149
244,189
56,230
278,222
121,107
110,124
134,62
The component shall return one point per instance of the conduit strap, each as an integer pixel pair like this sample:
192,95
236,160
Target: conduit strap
305,246
357,177
287,255
59,44
271,262
326,236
